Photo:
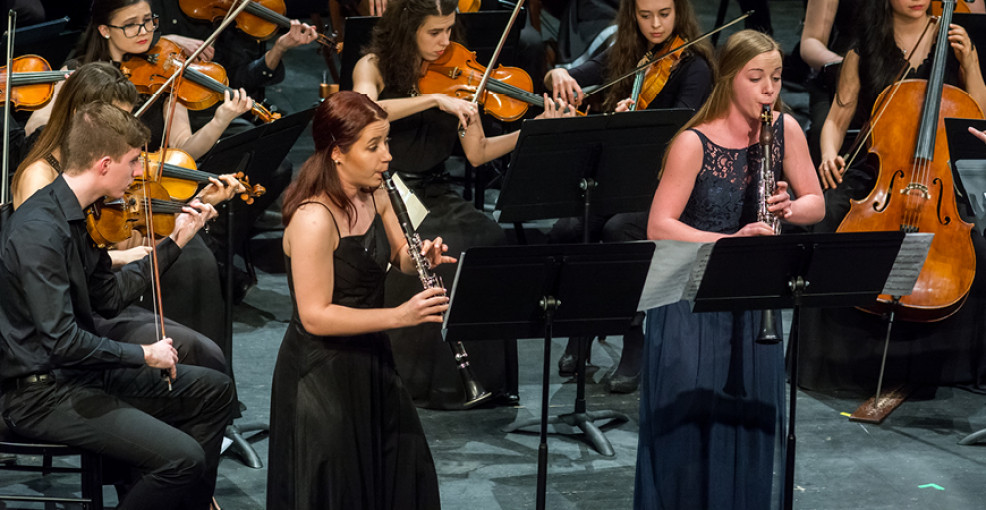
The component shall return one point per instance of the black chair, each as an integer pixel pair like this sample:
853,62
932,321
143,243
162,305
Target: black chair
90,470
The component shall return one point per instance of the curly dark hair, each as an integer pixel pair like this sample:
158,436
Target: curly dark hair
630,45
394,41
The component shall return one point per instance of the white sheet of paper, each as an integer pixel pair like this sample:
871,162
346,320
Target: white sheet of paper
672,272
907,266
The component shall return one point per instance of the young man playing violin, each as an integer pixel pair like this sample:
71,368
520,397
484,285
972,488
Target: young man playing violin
60,381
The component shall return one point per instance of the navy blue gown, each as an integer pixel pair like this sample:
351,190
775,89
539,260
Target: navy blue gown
711,400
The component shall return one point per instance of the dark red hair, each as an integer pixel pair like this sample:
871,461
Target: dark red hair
338,122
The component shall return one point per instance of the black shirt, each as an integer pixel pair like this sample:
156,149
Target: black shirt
52,279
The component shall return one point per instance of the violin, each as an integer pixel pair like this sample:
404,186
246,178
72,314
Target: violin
469,5
31,82
179,176
203,85
914,190
260,19
508,93
112,222
648,85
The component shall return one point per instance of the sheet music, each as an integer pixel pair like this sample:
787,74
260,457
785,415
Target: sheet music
415,209
908,264
672,271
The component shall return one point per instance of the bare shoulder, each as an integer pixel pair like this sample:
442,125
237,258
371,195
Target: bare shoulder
311,229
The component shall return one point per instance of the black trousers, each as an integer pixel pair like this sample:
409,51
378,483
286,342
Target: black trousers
136,325
171,437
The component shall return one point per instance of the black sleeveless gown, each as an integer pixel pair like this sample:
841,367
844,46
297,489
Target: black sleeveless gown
344,433
711,399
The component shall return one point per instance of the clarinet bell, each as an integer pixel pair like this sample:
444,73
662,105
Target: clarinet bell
768,328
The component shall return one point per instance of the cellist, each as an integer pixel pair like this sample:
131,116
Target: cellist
888,38
424,131
644,28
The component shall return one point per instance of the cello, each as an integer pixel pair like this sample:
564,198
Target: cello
914,190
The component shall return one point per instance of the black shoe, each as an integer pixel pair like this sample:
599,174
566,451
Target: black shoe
566,365
622,383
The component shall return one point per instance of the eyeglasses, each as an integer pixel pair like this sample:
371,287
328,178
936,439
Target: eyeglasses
131,30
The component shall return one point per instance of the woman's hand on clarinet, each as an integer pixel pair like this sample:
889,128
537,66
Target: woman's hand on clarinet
233,106
754,229
425,306
434,252
563,86
780,202
221,189
830,171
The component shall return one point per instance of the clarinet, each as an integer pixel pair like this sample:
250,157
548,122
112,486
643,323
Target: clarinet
475,394
766,185
766,182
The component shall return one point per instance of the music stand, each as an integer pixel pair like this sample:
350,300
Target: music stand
482,28
967,154
595,168
253,152
557,160
541,291
968,157
798,270
50,40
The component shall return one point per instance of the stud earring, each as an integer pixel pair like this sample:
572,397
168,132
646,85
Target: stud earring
106,36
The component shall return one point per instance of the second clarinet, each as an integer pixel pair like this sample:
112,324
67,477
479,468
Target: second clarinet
475,393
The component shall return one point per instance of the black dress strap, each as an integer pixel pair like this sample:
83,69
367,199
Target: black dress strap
338,232
50,159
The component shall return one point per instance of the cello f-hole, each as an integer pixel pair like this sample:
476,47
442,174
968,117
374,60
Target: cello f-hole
886,199
944,220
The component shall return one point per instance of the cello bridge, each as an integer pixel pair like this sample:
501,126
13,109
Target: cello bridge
916,186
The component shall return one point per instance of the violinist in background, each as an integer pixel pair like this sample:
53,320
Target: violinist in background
122,28
712,399
842,348
253,65
683,80
61,381
424,131
100,81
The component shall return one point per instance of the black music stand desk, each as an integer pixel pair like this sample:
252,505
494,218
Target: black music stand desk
541,291
253,152
798,270
609,163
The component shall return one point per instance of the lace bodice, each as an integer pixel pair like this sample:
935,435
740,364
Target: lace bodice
725,194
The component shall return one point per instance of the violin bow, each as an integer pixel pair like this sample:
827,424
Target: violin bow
11,24
158,305
496,55
593,89
865,134
231,16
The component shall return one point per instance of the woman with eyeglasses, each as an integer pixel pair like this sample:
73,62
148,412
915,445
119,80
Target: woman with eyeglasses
120,28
